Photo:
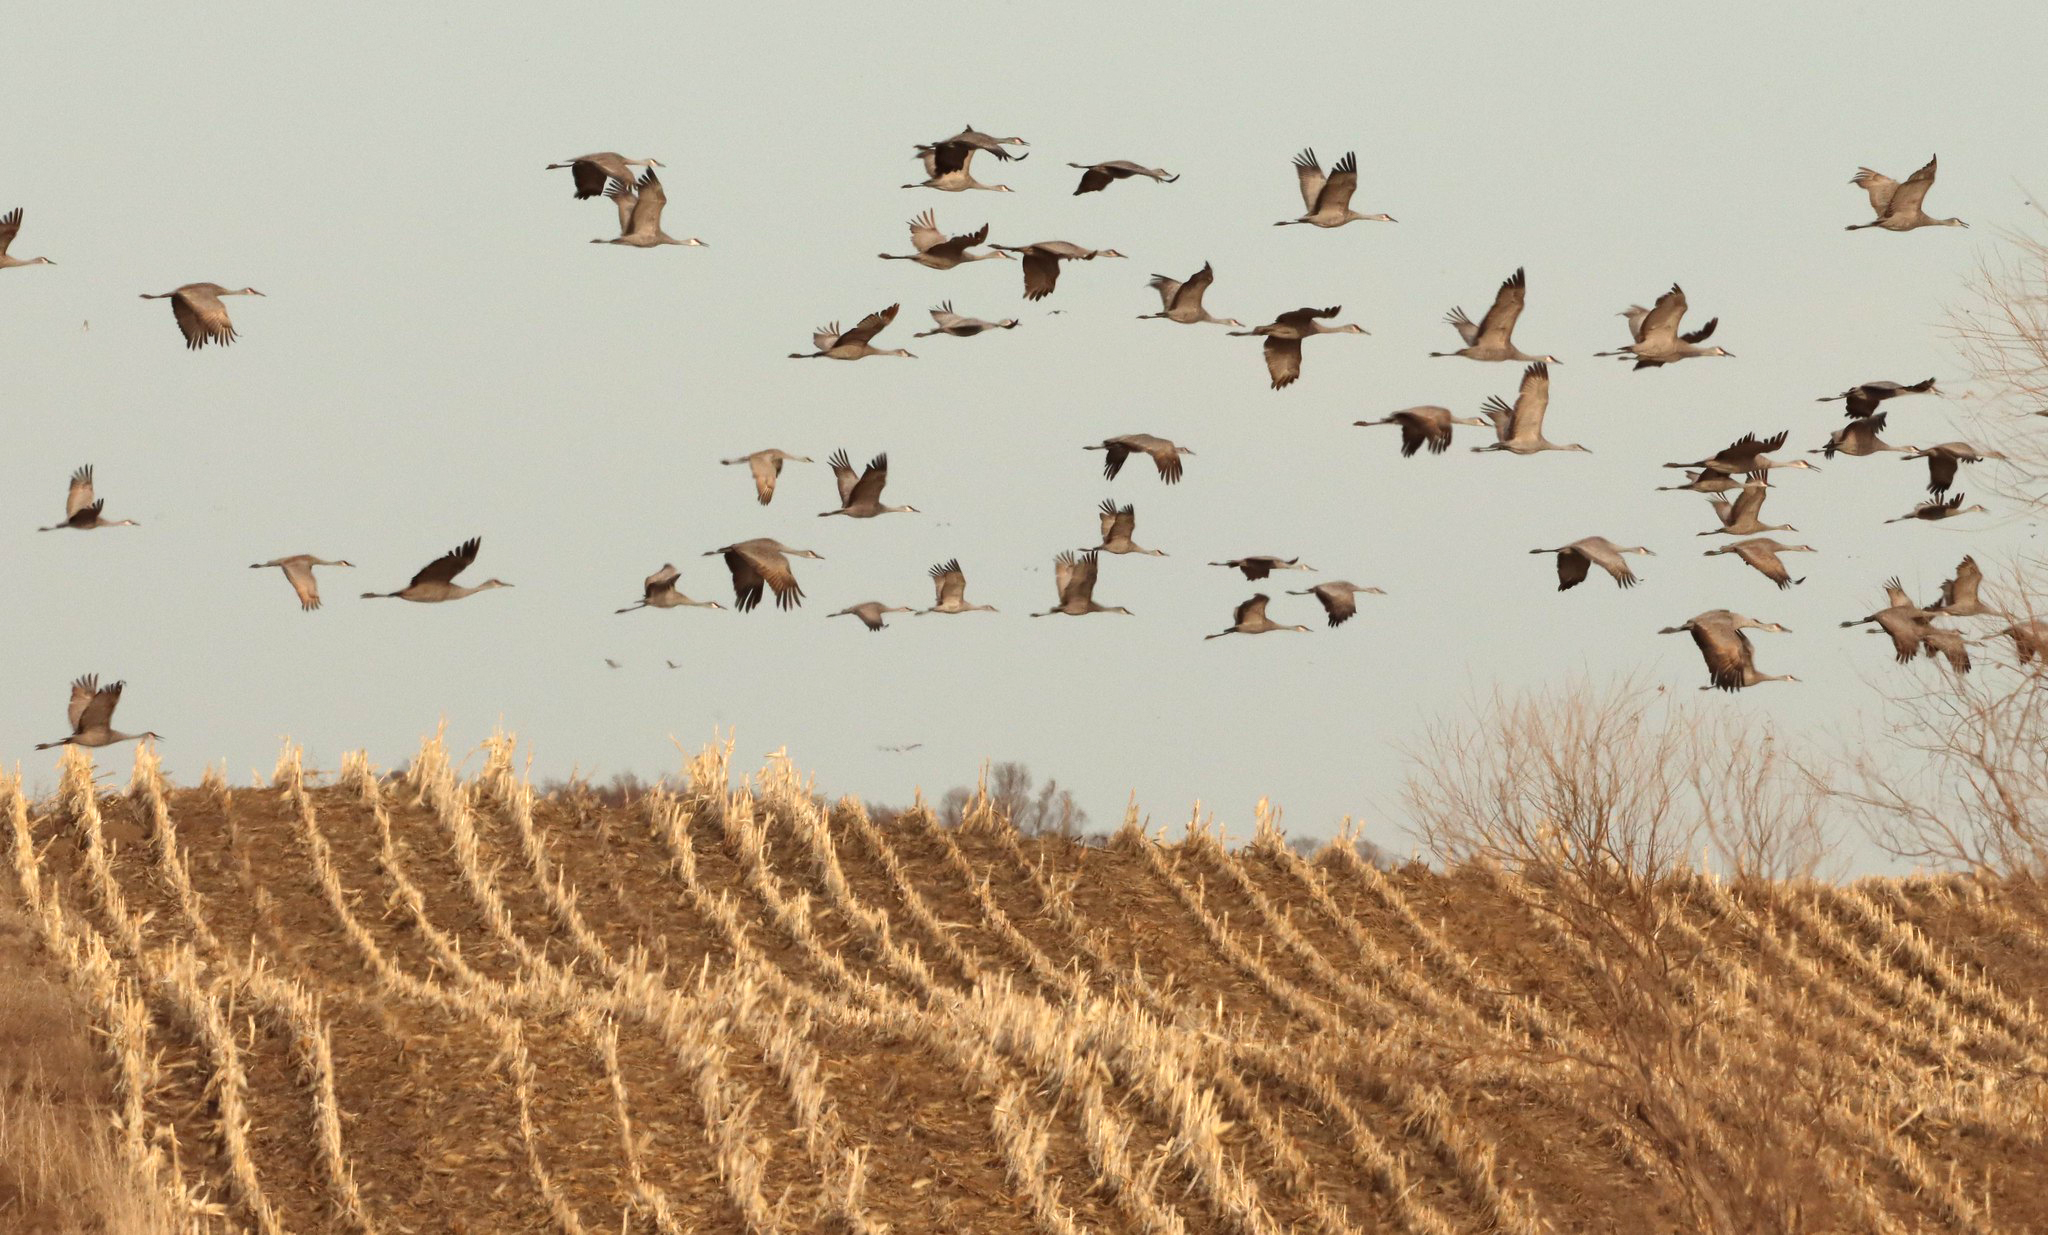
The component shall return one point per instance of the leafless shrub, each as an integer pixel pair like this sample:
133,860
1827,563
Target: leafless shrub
2001,330
1011,792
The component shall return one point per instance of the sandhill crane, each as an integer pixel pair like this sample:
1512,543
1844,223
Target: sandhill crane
1762,553
1339,598
1656,338
201,316
1959,593
10,224
949,582
1942,461
435,581
1491,338
1424,426
642,226
1095,177
870,613
1042,263
971,136
1283,337
609,663
1259,565
960,327
1703,482
82,509
947,167
1074,576
1181,299
1250,618
658,591
861,497
92,713
1731,659
671,664
298,571
1937,510
1519,429
592,172
1859,437
1938,642
1574,559
1903,620
1164,454
937,251
2029,640
836,344
1745,457
766,465
1739,517
1863,400
762,561
1118,522
1328,198
1898,205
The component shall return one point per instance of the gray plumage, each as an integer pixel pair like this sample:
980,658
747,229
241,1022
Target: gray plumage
91,713
1492,336
855,344
1656,340
1250,618
82,509
1283,337
1327,198
1898,205
1339,598
1118,524
938,251
201,317
1074,576
960,327
860,497
658,591
762,562
1762,555
1730,657
1180,300
1096,177
435,581
10,226
766,466
298,571
1165,455
1576,558
1425,426
1519,429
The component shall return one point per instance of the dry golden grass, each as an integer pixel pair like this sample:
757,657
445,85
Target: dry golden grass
436,1004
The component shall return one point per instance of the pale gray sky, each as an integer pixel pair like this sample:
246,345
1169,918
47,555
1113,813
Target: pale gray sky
443,354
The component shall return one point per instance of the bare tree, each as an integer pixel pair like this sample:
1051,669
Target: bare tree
1014,794
2002,332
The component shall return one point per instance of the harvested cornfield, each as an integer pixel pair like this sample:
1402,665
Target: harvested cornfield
422,1003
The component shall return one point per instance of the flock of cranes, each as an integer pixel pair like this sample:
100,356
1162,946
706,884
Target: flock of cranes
1737,478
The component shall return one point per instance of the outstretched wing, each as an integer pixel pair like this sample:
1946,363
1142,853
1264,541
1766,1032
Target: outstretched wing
1188,295
1339,604
10,224
1572,565
79,496
1661,325
958,245
1703,333
950,582
1907,197
746,579
1253,609
1063,568
649,198
1041,274
1094,180
300,575
870,326
443,569
766,468
1531,402
202,319
99,711
1283,360
1880,187
843,475
1337,190
869,487
1310,173
82,692
924,231
663,580
1499,321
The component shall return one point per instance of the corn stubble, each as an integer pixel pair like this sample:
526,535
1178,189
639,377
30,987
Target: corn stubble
420,1002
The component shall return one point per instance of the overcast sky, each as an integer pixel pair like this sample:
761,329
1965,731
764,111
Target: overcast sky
442,354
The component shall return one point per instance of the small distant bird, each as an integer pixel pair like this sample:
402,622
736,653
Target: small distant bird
766,466
1739,517
1328,198
1574,559
82,509
1424,426
870,613
1863,400
1858,438
1339,598
658,591
609,662
298,571
671,664
937,251
1095,177
1518,430
1942,461
92,713
1164,454
950,584
1492,336
435,581
898,750
1731,659
948,165
1283,337
1762,554
1180,300
1937,510
1074,577
1656,338
1259,565
861,498
835,344
1042,263
201,316
960,327
10,224
1898,205
1250,618
1118,524
762,561
640,227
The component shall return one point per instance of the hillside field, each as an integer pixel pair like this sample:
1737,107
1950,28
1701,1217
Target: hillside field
424,1003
